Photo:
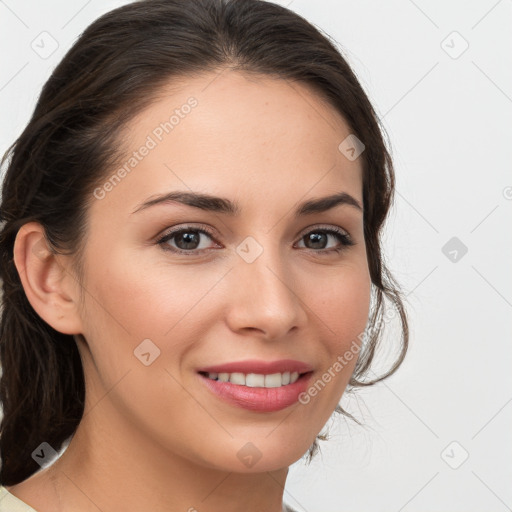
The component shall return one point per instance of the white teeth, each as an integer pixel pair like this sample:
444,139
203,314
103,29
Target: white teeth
256,380
273,380
253,380
237,378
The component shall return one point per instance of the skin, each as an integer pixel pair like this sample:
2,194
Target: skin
154,437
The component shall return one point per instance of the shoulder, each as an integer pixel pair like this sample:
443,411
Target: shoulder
10,503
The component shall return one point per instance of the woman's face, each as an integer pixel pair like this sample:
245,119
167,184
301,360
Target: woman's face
262,291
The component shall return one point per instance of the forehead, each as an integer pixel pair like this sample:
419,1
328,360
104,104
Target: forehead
262,139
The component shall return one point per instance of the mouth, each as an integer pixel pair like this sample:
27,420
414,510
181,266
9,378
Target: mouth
258,386
256,380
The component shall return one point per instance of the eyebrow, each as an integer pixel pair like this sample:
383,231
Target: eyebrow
212,203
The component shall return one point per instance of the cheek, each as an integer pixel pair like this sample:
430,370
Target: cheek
342,310
342,303
131,300
146,298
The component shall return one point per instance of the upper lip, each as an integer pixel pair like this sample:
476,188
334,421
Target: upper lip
259,367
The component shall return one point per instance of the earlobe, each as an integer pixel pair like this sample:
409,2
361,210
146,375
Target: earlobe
46,281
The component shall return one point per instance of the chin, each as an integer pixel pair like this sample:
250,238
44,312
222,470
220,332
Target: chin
256,454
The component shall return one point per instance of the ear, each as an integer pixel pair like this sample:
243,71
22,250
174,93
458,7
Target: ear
50,287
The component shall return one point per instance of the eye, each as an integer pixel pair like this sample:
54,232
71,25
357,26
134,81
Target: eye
320,236
187,240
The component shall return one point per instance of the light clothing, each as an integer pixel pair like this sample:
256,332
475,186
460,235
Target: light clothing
10,503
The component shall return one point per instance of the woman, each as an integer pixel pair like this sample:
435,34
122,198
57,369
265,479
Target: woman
191,261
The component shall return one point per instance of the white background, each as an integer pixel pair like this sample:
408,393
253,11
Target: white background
448,117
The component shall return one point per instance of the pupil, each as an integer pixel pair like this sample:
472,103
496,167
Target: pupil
315,237
189,240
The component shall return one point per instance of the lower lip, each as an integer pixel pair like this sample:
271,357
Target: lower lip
258,399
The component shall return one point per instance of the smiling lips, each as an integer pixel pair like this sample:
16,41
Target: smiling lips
258,385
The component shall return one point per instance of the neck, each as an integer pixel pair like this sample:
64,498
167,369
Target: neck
117,468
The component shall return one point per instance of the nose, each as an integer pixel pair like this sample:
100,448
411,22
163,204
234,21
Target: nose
264,297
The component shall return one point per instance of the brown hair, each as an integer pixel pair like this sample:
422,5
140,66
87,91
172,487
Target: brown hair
112,72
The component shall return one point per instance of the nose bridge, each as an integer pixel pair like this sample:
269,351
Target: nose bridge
265,298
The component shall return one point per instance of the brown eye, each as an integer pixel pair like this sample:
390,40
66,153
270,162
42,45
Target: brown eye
318,239
186,240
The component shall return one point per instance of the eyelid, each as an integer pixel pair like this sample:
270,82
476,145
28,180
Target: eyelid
191,226
326,227
187,226
170,232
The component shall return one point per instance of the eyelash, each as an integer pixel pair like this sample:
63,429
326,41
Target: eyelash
342,236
